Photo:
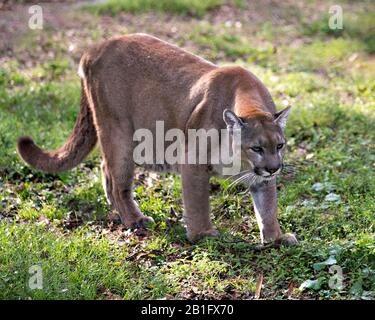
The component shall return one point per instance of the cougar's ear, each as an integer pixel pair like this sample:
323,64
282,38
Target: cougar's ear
232,120
281,117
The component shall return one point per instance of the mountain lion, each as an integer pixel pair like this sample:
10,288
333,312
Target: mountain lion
133,81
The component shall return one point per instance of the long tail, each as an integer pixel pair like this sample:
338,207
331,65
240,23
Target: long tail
76,148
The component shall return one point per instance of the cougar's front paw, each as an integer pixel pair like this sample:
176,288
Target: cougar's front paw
287,239
143,223
195,236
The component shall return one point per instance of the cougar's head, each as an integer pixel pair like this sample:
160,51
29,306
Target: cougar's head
262,141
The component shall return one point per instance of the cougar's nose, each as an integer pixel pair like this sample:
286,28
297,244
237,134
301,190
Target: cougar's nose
272,170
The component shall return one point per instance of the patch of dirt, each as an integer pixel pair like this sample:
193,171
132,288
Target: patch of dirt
76,30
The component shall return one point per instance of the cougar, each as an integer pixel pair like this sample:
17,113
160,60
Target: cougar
131,82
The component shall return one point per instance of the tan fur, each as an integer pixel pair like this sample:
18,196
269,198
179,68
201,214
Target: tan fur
130,82
74,151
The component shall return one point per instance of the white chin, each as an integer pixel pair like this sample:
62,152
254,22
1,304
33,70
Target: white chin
260,179
267,177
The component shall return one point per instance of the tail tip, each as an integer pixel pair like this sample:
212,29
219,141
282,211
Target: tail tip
24,143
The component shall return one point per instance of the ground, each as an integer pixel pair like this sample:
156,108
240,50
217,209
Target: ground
62,224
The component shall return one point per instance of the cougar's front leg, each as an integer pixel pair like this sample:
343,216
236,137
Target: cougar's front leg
265,207
195,183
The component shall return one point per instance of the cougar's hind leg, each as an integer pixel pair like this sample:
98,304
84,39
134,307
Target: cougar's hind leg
107,183
115,135
118,171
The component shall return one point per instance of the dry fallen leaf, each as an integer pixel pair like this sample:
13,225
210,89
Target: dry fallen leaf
291,287
258,287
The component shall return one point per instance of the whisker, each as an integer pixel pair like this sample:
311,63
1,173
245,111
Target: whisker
243,179
248,182
236,175
253,179
239,180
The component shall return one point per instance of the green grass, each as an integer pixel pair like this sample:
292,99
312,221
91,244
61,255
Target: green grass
181,7
219,44
60,222
355,26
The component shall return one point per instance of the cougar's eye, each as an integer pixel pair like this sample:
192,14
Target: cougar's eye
280,146
256,149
